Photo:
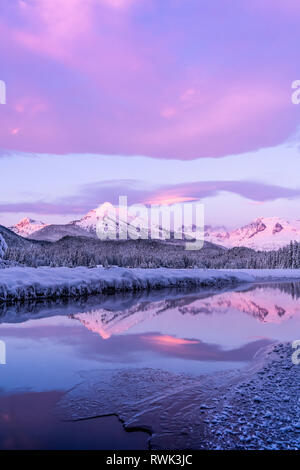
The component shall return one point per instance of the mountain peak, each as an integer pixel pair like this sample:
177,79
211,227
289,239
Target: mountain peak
263,233
27,221
27,226
115,215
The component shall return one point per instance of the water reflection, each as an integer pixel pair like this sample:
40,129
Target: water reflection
114,314
52,345
177,330
273,303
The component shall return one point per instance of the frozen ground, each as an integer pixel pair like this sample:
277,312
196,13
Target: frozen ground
17,283
255,408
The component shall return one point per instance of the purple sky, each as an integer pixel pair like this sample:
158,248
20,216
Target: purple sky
167,99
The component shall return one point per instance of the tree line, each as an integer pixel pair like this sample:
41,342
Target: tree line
76,251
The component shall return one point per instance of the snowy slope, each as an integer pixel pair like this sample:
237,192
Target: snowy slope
120,219
45,282
27,226
3,247
264,233
110,217
53,233
88,222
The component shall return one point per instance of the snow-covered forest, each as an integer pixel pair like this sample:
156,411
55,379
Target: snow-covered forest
3,248
76,251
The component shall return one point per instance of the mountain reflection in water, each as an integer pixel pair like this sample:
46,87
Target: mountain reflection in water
196,331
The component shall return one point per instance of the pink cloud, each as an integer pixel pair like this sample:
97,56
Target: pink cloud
188,94
52,25
90,195
88,76
166,340
30,105
118,4
287,7
168,112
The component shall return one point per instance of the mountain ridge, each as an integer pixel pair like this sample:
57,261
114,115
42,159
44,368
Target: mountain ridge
261,234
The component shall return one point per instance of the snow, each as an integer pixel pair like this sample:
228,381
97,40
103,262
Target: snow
254,408
3,248
263,233
20,283
27,227
125,221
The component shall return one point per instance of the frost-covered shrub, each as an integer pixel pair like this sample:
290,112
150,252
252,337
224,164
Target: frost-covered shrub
3,247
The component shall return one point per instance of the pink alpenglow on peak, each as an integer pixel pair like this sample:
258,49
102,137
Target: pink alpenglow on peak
27,226
263,233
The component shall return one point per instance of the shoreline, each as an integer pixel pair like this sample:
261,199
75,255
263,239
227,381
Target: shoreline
255,407
26,283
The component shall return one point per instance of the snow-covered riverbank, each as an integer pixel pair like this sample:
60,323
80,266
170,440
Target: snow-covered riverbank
19,283
254,408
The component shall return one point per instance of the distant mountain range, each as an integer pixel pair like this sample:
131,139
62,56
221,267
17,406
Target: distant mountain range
123,222
264,233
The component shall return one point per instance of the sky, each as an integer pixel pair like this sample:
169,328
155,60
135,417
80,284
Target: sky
162,101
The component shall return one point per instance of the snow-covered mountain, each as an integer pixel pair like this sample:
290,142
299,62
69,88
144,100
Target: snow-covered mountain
125,224
88,222
27,226
119,220
110,217
53,233
263,233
